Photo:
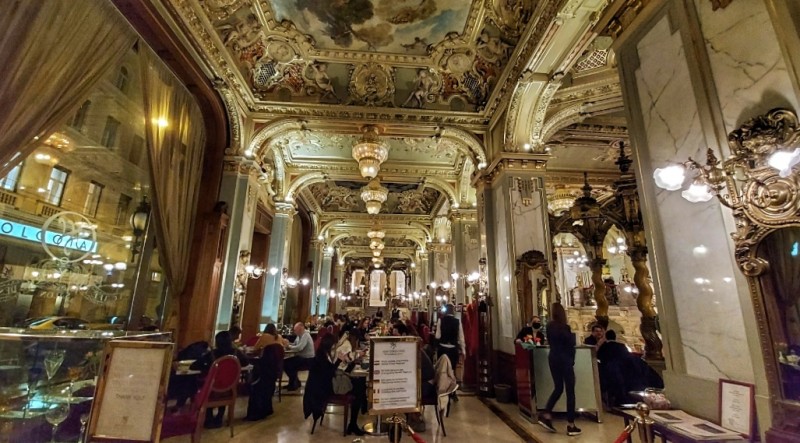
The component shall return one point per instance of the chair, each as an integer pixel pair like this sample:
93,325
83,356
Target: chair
191,421
250,342
437,402
224,390
273,356
344,400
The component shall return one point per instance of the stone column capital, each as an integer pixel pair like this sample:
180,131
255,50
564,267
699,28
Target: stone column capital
285,209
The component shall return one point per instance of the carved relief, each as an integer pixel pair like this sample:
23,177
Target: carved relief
509,15
221,9
427,88
372,84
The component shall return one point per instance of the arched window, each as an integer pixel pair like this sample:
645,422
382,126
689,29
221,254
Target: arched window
80,116
122,79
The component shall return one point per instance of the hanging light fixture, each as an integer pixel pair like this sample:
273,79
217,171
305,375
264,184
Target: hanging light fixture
374,195
370,151
561,201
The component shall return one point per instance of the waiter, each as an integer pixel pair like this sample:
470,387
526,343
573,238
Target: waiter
450,336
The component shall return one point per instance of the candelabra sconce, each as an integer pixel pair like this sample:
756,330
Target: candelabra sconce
138,222
287,282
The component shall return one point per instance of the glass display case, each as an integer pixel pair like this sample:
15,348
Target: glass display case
47,381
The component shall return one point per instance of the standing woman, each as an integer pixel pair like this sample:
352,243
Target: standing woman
562,362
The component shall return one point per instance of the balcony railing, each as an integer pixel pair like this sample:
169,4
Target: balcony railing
46,209
8,198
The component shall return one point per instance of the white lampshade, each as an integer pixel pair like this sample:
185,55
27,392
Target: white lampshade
697,192
670,178
784,161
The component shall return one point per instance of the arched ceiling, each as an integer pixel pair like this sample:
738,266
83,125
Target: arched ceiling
450,83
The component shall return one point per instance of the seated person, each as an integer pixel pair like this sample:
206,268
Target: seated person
268,337
236,335
303,346
182,388
532,330
223,345
598,336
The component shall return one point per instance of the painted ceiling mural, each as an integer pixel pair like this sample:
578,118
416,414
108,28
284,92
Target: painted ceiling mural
427,54
404,198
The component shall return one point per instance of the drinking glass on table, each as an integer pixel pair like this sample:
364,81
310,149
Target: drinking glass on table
55,415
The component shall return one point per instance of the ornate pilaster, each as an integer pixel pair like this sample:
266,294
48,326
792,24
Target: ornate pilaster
324,281
645,303
316,261
240,190
278,255
466,247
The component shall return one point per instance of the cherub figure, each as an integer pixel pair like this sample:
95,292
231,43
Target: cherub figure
423,89
323,81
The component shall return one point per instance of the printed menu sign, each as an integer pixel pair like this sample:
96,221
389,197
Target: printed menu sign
126,407
395,375
736,406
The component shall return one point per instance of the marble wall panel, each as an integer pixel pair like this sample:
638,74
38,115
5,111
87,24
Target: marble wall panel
528,219
703,286
503,272
746,61
472,246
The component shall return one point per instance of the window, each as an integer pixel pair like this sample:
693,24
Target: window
92,198
9,182
55,187
110,132
122,80
123,206
79,119
135,154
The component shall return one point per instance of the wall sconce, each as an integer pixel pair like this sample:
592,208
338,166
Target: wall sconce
247,269
139,220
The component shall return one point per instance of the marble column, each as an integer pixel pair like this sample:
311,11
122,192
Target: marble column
324,281
515,211
316,261
238,190
691,72
338,303
278,255
466,247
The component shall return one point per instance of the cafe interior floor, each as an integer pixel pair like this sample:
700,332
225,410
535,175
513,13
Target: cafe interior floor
472,419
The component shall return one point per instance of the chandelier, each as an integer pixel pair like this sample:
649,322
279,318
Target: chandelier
370,152
561,201
374,195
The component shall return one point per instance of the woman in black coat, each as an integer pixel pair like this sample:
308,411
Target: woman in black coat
562,361
266,371
319,386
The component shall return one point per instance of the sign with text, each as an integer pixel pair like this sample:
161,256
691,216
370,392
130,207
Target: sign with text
130,392
394,375
34,234
737,410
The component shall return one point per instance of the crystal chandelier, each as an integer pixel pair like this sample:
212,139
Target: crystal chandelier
561,201
370,152
374,195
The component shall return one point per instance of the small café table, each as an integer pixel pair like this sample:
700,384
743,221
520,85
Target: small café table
665,432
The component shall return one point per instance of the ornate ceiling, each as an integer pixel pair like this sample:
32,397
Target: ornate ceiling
445,55
300,78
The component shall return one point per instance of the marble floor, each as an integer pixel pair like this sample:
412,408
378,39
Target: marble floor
471,420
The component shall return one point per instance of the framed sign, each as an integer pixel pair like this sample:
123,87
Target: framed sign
394,375
129,402
737,407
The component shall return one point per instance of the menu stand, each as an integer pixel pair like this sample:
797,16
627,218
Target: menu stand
394,382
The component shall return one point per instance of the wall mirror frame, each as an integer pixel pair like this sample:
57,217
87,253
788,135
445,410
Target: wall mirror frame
766,209
534,285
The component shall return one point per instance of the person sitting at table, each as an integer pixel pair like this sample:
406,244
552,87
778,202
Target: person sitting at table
348,355
268,337
236,335
303,348
319,386
597,337
181,387
265,375
223,345
534,330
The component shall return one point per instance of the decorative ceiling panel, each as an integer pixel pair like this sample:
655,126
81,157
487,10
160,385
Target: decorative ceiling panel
403,199
300,146
438,55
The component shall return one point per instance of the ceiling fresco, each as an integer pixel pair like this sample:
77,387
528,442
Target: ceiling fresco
375,25
446,55
403,199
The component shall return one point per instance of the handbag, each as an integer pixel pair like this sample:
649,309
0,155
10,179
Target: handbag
341,383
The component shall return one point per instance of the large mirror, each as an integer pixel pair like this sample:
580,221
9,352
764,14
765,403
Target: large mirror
781,287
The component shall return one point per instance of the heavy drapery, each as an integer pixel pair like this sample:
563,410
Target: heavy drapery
52,53
175,141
